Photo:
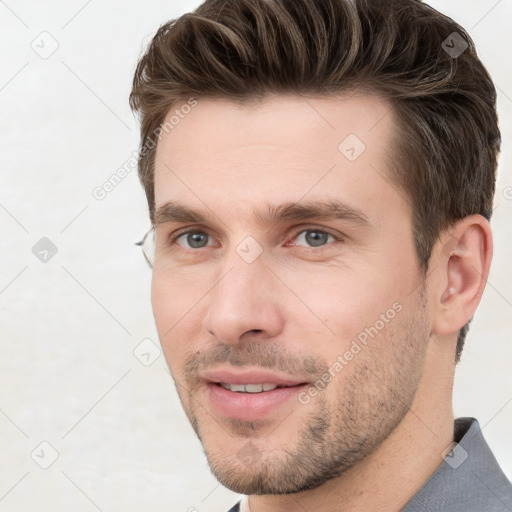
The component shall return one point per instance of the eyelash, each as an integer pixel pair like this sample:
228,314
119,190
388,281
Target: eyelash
173,238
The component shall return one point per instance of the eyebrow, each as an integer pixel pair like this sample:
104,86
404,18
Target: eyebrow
174,211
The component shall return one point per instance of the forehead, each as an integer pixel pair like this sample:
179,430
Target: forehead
283,148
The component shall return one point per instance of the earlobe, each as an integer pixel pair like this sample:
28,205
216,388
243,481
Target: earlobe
464,264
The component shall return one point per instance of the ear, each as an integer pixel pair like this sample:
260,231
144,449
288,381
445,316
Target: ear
463,257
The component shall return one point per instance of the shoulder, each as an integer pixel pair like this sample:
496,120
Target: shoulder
235,508
469,479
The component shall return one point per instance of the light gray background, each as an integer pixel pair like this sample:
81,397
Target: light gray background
68,375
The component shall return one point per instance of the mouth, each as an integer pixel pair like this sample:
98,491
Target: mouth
250,388
250,395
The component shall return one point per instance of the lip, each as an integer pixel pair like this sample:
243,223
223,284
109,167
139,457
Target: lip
249,406
229,376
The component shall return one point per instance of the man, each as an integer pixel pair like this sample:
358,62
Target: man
320,177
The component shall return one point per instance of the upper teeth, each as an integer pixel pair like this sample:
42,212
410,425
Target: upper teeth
249,388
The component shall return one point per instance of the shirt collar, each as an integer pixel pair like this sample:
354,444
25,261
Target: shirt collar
469,479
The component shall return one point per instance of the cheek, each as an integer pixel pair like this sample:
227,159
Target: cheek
175,308
176,294
344,300
361,311
164,301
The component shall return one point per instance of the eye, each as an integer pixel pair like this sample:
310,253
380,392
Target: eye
313,237
193,239
198,239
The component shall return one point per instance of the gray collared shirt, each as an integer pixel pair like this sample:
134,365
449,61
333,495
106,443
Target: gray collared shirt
469,479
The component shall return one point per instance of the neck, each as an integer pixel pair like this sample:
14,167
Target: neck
389,477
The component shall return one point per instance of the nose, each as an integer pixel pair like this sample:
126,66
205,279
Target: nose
245,299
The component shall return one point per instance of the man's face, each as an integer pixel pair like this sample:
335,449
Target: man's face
244,297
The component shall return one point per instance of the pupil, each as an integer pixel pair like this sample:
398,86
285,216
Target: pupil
315,238
195,240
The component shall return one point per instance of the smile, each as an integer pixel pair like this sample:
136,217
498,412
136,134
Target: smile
250,388
250,394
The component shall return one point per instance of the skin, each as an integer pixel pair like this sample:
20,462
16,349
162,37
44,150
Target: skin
375,434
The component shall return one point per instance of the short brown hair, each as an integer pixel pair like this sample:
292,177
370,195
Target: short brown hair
423,62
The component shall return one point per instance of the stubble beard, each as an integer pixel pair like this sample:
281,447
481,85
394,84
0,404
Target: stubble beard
371,399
